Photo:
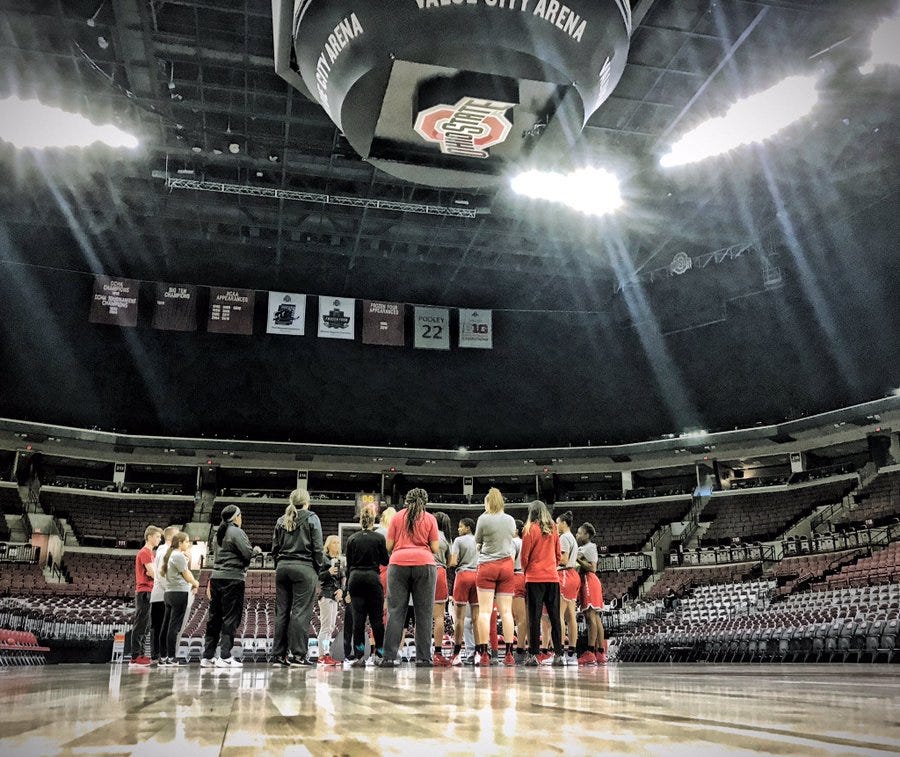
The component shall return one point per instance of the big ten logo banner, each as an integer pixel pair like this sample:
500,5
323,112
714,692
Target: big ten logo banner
231,311
368,500
287,313
337,317
432,328
383,323
114,301
175,308
476,329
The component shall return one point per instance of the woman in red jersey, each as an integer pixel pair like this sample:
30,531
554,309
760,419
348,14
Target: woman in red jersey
591,596
540,558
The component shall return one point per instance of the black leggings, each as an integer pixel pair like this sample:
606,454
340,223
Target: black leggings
538,595
157,640
176,606
226,608
367,600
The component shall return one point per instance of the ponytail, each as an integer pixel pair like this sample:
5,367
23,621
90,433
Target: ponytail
229,513
290,517
416,499
366,518
493,502
177,540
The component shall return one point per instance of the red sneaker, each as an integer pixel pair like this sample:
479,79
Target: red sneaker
143,661
545,658
440,661
509,660
601,658
587,658
328,660
485,661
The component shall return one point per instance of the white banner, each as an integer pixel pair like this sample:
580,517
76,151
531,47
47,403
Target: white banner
432,327
476,329
337,317
287,313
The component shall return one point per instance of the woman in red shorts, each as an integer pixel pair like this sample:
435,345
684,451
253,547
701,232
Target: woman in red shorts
520,616
464,558
591,596
494,534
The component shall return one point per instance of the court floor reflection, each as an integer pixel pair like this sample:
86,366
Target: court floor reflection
628,709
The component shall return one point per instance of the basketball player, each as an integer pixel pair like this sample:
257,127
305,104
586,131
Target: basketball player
569,583
591,596
518,604
464,557
540,559
440,588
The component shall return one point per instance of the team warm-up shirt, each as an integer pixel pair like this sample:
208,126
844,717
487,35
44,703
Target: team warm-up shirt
568,544
178,563
159,583
494,532
517,560
589,552
143,582
466,552
412,548
443,552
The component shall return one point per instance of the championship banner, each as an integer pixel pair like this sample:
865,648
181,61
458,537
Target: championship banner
231,311
432,329
115,301
287,314
383,323
476,329
175,307
336,317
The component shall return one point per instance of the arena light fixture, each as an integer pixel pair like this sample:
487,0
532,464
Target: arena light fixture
751,120
592,191
29,124
884,49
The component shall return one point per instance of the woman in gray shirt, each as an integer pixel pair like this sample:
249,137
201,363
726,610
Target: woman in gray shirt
179,582
495,580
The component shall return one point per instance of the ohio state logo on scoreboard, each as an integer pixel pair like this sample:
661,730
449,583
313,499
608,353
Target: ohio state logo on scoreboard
468,128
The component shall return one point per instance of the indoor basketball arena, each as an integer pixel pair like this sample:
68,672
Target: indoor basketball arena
449,377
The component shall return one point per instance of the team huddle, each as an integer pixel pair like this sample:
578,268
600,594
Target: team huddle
531,575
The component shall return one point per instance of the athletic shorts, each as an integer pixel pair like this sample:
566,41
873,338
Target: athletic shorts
440,587
569,584
497,575
591,594
519,592
464,592
382,575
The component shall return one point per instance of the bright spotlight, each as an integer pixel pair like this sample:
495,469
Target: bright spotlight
884,49
592,191
750,120
29,124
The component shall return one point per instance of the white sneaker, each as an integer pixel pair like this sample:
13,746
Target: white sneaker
456,660
209,662
572,659
231,662
370,661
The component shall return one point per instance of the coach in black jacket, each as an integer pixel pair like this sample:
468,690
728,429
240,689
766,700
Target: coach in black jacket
297,550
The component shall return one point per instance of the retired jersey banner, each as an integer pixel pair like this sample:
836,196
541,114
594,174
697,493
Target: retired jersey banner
336,317
115,301
231,311
476,329
287,313
383,323
175,307
432,328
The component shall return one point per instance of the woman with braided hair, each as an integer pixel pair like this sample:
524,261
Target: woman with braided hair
412,542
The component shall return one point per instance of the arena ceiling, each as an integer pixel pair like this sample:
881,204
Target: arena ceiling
807,223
